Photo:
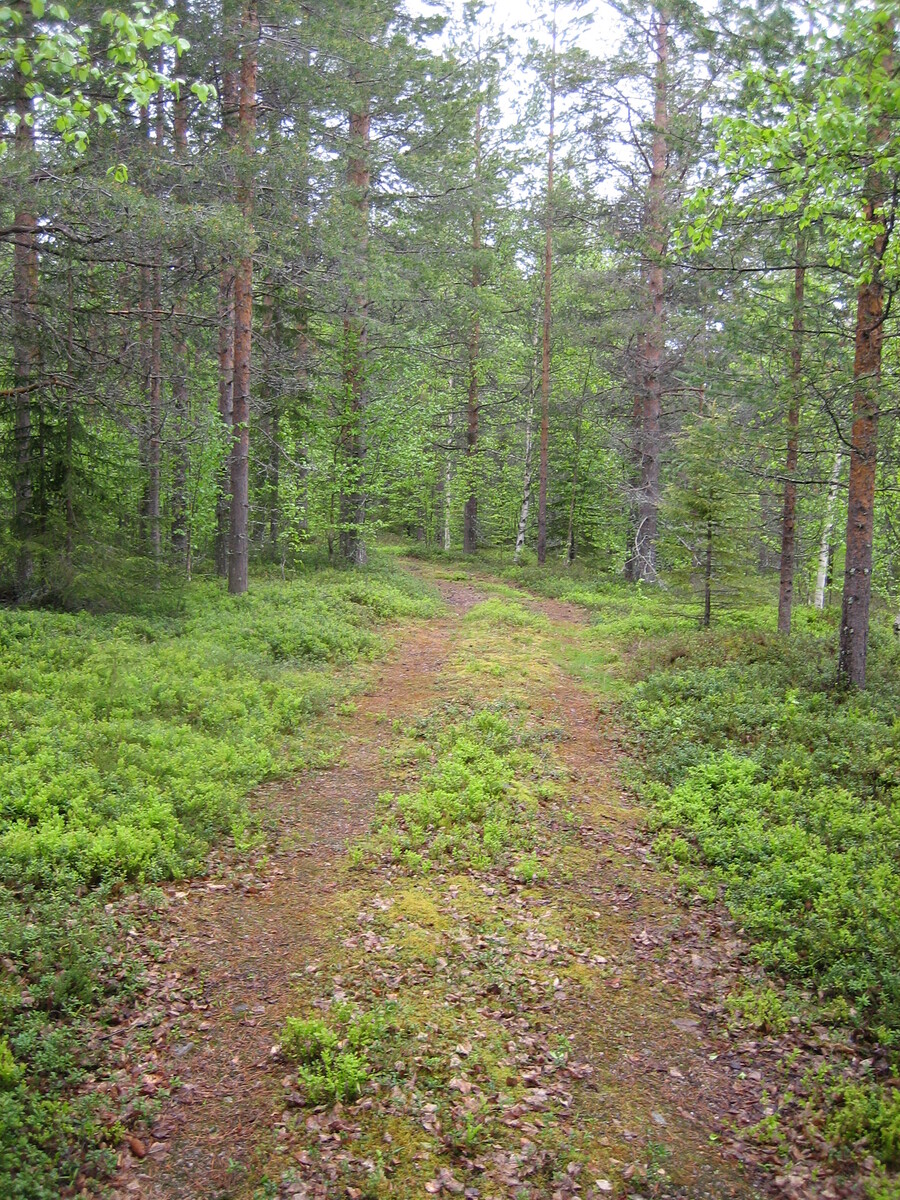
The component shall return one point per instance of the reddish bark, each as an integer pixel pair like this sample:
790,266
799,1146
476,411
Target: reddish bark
854,639
863,461
238,541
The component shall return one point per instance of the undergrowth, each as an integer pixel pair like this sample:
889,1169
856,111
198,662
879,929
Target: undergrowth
770,787
131,742
474,806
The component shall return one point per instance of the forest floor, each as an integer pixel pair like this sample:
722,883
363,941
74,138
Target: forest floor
511,1007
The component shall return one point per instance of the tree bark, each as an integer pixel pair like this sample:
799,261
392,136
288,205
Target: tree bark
180,396
707,576
353,493
547,318
827,529
231,96
238,541
861,494
470,513
226,400
25,355
154,419
789,510
854,638
654,339
448,475
526,488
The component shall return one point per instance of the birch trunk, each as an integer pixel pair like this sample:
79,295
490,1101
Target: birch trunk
827,530
526,488
789,512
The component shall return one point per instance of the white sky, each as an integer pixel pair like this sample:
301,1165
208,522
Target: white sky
515,16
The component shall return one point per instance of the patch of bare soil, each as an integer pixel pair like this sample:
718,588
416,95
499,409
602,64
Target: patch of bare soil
236,943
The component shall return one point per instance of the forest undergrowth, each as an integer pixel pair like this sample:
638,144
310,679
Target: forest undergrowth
473,927
769,788
132,743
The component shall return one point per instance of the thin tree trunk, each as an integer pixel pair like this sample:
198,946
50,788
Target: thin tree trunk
180,397
548,314
827,529
654,344
238,541
470,513
154,423
637,414
448,475
789,512
570,536
231,98
25,354
353,494
707,576
526,487
226,400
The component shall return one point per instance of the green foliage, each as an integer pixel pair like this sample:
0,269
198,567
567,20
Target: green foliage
867,1118
760,1008
335,1061
474,807
132,741
788,793
334,1077
306,1040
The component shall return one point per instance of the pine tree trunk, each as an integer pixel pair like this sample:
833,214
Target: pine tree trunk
547,319
827,529
789,511
353,493
226,413
861,494
448,475
470,513
654,341
854,638
238,540
707,576
25,356
154,421
231,98
180,397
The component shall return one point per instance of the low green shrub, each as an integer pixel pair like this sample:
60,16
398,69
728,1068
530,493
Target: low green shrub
334,1077
867,1118
335,1058
475,804
307,1039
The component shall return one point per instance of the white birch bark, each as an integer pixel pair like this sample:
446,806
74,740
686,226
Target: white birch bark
827,529
526,489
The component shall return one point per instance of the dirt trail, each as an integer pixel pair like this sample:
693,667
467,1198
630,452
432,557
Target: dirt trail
245,940
242,941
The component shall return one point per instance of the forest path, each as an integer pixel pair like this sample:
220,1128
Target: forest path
563,1048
